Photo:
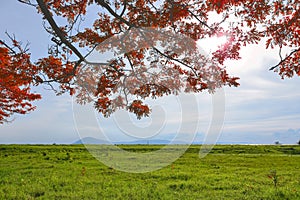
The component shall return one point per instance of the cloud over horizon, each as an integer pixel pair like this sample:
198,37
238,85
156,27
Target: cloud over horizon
264,109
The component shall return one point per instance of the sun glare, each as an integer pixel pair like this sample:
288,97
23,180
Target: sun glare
211,44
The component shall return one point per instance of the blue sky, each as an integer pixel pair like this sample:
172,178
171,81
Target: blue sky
264,109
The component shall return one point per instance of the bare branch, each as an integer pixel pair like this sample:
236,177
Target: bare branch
280,53
74,22
27,2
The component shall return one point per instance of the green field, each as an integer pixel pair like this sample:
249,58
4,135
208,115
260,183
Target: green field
227,172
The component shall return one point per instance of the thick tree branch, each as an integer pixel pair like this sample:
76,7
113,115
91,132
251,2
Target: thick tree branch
57,30
61,34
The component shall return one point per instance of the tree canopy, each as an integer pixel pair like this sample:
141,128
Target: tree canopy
154,46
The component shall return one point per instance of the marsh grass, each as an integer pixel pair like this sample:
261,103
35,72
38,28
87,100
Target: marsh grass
227,172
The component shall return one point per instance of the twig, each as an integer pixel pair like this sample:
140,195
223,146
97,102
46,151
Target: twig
27,2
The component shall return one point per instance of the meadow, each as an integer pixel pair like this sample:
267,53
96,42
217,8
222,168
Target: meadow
227,172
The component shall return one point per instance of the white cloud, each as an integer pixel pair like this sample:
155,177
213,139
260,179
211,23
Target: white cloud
260,110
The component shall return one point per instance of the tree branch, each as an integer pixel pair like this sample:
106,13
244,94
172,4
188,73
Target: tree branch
113,13
61,34
27,2
124,8
200,21
57,30
283,60
174,59
3,43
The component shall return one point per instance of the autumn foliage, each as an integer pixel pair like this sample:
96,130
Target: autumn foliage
154,45
16,76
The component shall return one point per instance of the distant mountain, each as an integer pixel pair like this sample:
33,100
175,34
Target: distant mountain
152,141
90,140
144,142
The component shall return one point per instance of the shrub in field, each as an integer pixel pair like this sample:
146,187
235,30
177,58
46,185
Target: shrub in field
274,176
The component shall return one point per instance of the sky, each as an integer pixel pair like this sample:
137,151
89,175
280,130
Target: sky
264,109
